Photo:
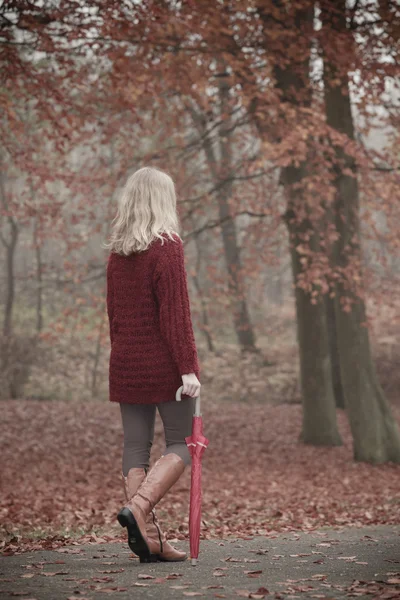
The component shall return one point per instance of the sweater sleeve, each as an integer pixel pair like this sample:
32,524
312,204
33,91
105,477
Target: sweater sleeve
174,306
110,298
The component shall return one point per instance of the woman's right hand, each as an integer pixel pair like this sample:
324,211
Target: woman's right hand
191,385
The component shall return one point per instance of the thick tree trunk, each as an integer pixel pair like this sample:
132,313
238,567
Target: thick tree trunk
376,436
319,425
338,391
292,80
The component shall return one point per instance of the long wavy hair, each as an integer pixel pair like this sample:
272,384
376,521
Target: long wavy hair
146,209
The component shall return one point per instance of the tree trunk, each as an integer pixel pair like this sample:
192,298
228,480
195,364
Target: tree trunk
292,79
10,246
97,355
204,312
237,292
277,293
10,295
338,391
376,437
223,172
319,426
39,290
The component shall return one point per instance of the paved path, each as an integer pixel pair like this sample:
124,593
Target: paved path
319,564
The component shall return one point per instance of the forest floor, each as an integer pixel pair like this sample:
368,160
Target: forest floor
319,524
61,464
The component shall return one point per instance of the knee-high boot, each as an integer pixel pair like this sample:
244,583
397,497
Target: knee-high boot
145,537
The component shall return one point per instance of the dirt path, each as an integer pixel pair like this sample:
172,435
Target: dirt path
321,564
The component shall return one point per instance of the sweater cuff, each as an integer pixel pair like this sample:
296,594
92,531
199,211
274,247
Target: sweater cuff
189,366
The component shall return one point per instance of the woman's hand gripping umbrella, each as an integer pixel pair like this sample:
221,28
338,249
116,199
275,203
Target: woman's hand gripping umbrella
196,444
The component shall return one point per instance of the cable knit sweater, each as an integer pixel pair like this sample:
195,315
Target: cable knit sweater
152,339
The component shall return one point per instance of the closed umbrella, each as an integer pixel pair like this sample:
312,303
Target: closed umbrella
197,444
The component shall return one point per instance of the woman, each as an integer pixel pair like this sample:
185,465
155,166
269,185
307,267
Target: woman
153,351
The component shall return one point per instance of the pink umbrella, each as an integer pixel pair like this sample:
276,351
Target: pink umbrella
197,444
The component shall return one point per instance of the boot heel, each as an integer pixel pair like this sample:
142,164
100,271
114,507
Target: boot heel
149,559
136,541
125,517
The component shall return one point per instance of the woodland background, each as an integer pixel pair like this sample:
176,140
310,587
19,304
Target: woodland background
279,122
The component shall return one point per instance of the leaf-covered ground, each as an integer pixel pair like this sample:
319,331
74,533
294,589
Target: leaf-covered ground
61,475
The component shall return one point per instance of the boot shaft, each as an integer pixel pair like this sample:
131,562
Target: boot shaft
166,471
133,481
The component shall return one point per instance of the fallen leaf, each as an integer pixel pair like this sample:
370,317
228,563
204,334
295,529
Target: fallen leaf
178,587
250,560
325,544
56,562
214,587
231,559
112,570
111,590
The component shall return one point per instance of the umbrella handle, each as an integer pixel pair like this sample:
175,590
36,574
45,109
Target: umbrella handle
178,398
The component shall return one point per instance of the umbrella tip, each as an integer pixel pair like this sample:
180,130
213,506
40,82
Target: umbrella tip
194,562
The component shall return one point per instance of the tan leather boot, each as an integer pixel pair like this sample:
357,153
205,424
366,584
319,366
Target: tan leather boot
135,515
132,482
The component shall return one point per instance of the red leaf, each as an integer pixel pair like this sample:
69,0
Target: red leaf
253,573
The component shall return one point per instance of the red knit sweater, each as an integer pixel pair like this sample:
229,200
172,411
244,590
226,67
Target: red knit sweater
152,339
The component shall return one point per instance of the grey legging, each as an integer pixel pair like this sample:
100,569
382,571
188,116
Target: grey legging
138,425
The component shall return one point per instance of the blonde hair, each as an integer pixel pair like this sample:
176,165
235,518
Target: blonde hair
146,208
